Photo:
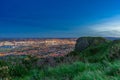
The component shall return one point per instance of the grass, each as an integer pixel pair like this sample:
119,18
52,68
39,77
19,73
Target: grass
76,71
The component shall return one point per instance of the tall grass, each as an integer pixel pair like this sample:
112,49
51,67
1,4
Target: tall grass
26,68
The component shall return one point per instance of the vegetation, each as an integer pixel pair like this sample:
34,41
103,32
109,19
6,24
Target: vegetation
99,62
76,71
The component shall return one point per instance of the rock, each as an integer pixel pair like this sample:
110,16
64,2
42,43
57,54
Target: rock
85,42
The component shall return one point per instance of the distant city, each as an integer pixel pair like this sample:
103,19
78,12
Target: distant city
40,47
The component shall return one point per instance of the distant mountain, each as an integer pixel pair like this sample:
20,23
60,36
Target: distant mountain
113,38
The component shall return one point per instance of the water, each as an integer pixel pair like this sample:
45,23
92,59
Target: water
7,47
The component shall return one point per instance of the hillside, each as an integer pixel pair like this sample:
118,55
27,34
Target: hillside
97,48
94,58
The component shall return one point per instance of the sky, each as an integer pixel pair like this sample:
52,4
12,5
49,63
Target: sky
59,18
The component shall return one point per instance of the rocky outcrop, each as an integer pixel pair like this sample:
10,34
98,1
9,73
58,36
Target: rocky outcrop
85,42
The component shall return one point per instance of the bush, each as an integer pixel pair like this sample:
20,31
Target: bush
18,70
113,69
4,72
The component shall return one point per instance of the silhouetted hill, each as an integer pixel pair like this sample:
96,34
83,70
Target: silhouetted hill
96,49
85,42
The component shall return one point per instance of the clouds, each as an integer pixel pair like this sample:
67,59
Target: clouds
108,27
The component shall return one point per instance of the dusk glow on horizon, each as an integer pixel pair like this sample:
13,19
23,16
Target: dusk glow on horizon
59,18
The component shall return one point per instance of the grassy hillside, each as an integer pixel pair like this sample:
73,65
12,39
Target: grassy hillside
76,71
95,62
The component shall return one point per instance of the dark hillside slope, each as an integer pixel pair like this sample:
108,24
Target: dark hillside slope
96,49
85,42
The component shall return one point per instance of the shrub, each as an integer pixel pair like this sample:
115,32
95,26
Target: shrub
113,69
18,70
4,72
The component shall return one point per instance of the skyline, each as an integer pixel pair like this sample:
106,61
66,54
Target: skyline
61,18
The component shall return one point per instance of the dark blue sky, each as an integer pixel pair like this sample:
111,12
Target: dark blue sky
57,18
